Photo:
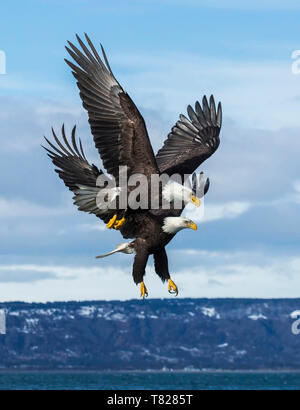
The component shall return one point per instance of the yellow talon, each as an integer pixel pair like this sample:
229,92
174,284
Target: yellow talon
119,223
115,223
111,222
143,289
172,288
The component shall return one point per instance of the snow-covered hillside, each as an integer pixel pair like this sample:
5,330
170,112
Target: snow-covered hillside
152,334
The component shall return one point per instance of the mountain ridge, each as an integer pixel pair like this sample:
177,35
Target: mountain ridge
178,334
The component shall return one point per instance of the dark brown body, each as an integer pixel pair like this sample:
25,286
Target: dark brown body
150,239
144,225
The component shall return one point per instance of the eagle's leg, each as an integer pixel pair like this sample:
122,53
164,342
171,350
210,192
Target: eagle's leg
144,291
139,265
172,288
162,269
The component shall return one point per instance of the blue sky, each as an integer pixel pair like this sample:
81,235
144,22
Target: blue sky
166,55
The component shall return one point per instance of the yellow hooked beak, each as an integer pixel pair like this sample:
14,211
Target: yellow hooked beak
194,200
193,226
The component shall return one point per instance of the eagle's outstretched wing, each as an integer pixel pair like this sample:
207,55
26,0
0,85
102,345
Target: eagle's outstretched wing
117,126
77,173
191,141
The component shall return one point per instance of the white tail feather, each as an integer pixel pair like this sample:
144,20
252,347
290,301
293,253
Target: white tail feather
121,247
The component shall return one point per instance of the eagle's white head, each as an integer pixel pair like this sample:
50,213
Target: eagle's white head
173,191
173,224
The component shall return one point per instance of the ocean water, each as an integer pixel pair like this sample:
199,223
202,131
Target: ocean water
149,381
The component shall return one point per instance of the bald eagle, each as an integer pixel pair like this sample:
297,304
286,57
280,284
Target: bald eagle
121,138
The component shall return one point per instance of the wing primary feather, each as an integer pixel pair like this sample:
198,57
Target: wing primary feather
59,143
106,60
116,124
213,115
54,147
66,140
219,115
86,50
94,51
79,54
196,136
81,149
76,70
200,114
206,186
51,154
206,109
82,61
192,114
194,182
73,136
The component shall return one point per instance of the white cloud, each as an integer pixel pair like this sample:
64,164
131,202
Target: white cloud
19,83
60,271
213,212
233,209
67,283
99,226
296,186
35,118
21,208
256,93
240,274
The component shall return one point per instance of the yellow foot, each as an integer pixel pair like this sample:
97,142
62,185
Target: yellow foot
115,223
143,289
172,288
111,222
119,223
